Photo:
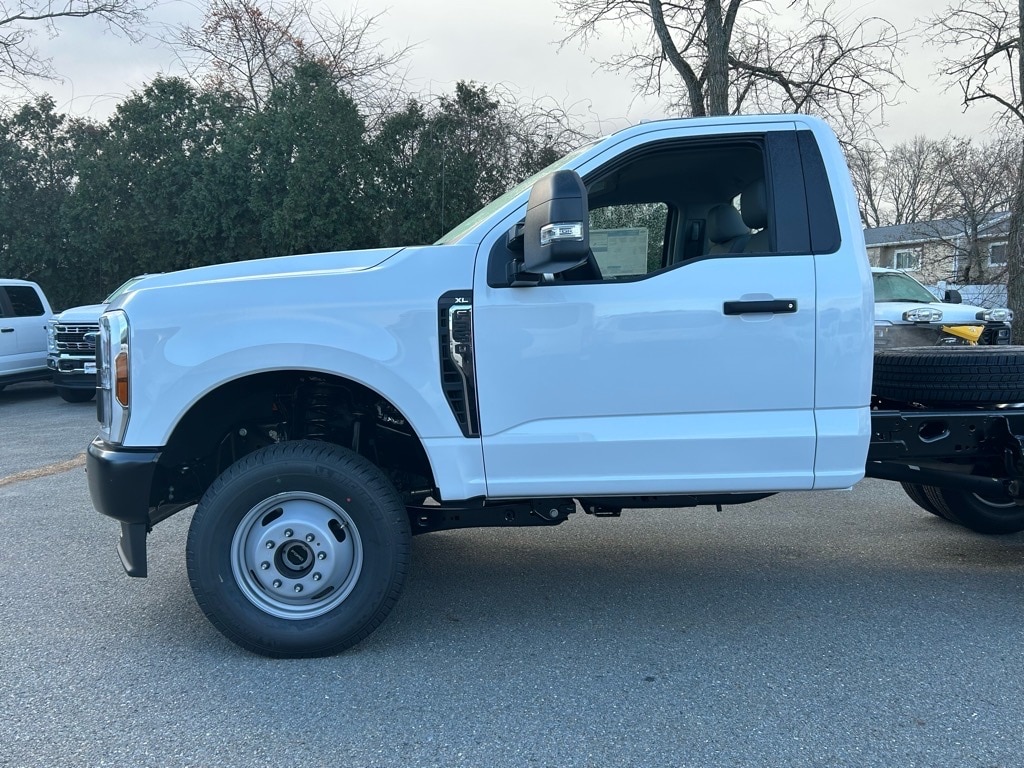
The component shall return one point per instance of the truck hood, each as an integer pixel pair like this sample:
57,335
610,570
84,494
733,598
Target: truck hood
330,262
892,311
90,313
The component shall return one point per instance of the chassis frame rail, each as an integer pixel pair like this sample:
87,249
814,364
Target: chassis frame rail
978,450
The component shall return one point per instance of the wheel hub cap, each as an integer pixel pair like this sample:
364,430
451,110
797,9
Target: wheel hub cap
296,555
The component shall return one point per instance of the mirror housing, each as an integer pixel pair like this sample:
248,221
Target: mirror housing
953,297
556,237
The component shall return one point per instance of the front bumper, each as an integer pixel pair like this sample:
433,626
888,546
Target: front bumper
120,480
71,372
899,335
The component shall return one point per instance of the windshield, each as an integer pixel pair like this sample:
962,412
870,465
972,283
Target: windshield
459,231
122,288
895,286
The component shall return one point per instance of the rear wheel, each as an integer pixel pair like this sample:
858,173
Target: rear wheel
988,513
298,549
919,496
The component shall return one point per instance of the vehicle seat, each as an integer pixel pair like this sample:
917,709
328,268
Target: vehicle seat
726,230
754,206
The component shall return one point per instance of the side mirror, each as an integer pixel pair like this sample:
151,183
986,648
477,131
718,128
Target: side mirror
953,297
556,237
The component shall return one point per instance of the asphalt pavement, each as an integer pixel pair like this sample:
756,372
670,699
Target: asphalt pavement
821,629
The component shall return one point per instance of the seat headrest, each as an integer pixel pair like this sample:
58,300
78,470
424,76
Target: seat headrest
754,205
725,224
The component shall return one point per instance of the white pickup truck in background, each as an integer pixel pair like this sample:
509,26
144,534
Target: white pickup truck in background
679,314
71,347
24,313
908,315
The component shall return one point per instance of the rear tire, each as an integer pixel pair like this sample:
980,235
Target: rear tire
919,496
298,549
988,514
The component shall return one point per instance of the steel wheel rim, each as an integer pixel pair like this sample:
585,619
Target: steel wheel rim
994,504
296,555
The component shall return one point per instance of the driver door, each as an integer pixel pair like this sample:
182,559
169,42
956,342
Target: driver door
670,374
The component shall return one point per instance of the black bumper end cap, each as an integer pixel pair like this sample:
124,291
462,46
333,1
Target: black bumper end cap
132,549
120,481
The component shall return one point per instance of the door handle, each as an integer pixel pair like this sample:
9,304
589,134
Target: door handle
6,330
774,307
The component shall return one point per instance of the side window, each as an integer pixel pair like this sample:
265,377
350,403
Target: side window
997,255
24,301
667,204
907,259
628,241
678,201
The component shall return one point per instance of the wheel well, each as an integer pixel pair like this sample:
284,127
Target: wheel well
246,414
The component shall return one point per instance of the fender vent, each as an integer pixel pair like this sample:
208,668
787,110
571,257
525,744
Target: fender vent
455,340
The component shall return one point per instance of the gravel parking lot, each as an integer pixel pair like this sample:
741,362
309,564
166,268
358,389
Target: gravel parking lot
846,628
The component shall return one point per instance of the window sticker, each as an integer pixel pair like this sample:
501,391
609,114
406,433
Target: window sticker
620,252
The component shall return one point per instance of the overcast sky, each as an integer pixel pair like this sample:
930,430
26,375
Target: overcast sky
511,42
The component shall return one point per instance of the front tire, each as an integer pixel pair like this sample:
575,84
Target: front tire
299,549
76,395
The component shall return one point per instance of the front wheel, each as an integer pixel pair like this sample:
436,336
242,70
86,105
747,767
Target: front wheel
299,549
69,395
993,514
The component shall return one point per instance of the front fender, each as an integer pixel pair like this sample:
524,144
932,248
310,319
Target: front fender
377,327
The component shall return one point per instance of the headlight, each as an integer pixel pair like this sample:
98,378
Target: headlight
51,337
113,367
995,315
923,315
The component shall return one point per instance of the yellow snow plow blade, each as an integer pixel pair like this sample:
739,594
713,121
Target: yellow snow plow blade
969,332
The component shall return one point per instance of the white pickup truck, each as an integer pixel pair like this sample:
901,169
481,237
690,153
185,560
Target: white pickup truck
908,315
71,347
679,314
24,312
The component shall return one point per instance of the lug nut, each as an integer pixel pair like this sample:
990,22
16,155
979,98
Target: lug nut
317,577
310,537
321,555
287,533
270,545
298,587
264,565
277,583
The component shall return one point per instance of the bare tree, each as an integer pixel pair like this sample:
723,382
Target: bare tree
979,181
716,57
248,46
21,61
866,161
906,184
985,39
918,180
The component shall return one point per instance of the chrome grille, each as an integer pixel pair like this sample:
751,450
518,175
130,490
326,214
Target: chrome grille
71,338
